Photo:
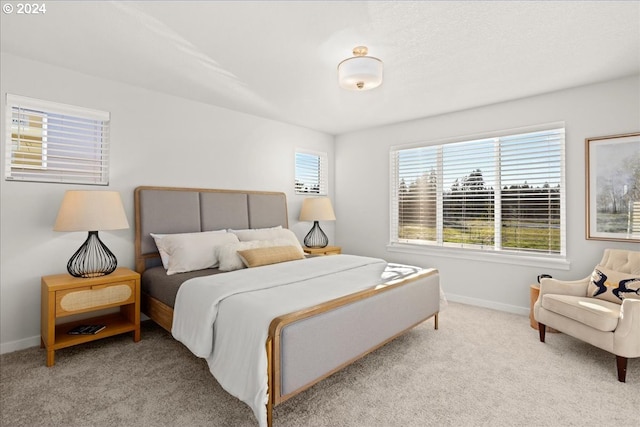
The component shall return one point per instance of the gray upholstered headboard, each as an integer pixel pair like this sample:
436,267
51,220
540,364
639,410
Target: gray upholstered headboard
189,210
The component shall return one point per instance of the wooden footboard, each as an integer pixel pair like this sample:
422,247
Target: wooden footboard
418,296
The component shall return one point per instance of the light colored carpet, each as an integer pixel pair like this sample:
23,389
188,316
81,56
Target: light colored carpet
481,368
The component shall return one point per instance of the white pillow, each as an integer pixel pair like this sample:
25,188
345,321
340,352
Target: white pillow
164,256
192,251
256,233
228,254
268,234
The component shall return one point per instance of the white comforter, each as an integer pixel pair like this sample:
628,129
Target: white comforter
225,317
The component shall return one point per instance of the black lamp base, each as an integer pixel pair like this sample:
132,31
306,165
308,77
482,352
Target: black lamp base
316,238
92,259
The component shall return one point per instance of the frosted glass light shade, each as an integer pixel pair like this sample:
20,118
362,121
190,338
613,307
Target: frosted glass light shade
360,72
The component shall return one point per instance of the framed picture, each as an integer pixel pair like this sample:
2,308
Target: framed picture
613,187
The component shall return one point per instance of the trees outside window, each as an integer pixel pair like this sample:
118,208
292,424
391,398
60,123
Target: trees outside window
498,193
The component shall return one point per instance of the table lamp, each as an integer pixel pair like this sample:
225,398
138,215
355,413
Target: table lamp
91,211
316,209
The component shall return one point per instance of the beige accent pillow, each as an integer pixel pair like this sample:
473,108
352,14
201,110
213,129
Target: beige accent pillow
613,286
228,254
193,251
270,255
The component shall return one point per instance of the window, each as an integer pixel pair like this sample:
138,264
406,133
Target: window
311,173
51,142
500,193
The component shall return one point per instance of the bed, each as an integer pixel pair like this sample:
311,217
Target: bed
337,309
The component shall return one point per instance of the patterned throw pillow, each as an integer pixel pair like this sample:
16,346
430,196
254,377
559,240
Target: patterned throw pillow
612,285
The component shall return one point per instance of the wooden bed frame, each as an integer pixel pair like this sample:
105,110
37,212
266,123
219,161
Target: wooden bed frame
163,314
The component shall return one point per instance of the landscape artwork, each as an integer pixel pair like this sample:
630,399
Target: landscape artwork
613,187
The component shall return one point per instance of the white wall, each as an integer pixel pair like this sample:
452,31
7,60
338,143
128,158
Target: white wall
156,139
163,140
362,186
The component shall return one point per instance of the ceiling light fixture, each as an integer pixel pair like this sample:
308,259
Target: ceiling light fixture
361,72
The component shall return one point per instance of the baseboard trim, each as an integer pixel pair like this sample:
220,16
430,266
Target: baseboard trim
11,346
524,311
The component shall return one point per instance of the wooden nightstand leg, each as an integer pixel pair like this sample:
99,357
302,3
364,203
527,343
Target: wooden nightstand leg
50,358
136,335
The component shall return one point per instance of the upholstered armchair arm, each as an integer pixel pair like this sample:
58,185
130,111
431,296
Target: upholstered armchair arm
627,334
576,288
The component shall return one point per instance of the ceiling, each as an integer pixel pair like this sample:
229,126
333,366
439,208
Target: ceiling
278,59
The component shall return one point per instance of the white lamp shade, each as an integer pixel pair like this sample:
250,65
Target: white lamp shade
360,73
317,209
91,211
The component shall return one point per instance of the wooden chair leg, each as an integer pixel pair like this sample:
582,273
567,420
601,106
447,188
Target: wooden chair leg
622,368
541,330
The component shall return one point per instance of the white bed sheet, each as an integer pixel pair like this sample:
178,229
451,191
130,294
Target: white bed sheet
225,318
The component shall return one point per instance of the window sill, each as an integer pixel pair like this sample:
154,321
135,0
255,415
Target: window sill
528,260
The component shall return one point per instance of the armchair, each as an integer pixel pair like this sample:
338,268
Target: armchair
602,309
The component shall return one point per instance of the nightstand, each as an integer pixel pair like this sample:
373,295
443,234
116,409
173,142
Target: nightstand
327,250
64,295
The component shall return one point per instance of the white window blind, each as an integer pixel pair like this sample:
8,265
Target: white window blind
311,172
498,193
52,142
